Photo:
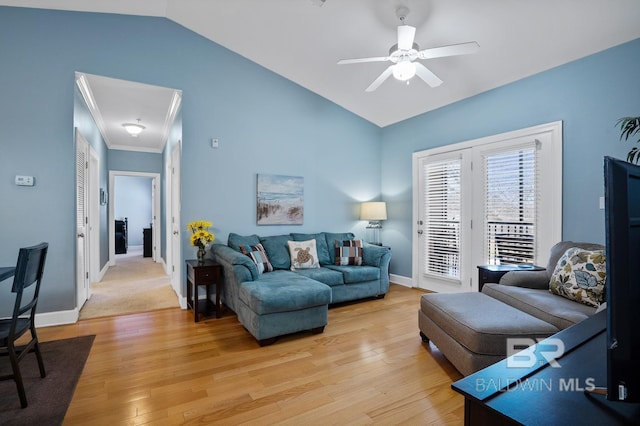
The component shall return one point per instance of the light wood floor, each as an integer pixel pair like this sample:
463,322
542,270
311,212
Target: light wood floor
369,366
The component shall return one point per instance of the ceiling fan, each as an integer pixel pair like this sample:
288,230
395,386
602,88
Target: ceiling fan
403,55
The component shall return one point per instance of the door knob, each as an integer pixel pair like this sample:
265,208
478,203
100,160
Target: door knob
175,232
80,235
420,231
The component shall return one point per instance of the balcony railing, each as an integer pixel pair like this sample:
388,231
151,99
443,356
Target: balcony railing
511,242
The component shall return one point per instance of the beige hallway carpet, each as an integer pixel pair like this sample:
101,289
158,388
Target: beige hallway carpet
134,284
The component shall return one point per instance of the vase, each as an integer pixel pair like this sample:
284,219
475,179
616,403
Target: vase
201,253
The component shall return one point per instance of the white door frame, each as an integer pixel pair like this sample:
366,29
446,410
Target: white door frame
549,136
174,244
155,213
94,218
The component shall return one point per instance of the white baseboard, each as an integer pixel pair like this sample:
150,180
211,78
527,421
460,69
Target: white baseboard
49,319
399,279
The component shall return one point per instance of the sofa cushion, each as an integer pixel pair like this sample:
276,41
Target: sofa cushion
235,241
481,323
580,276
331,238
257,254
278,250
553,309
357,274
303,254
283,291
324,275
321,245
348,252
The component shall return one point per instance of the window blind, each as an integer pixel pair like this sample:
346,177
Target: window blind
510,205
442,213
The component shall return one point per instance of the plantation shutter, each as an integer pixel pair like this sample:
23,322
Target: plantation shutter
81,166
510,182
442,216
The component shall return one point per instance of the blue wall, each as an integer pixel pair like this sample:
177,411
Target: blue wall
588,95
265,123
132,161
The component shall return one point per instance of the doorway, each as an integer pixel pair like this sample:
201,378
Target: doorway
136,201
487,201
104,108
135,280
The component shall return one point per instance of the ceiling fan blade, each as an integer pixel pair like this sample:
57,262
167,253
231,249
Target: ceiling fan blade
381,78
361,60
424,73
451,50
406,34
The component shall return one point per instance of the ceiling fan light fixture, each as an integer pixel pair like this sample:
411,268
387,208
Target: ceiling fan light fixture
404,71
134,129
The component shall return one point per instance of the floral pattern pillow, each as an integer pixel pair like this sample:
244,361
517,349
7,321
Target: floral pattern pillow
580,275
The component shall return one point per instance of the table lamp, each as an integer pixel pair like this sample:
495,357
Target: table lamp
374,212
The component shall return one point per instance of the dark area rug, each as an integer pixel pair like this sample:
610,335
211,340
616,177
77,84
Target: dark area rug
48,397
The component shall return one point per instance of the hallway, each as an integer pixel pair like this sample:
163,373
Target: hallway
134,284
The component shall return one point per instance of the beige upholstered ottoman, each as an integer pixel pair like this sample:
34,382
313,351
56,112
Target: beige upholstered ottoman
471,329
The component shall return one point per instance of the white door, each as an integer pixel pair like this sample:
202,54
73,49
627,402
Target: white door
155,203
488,201
176,246
82,220
93,196
443,223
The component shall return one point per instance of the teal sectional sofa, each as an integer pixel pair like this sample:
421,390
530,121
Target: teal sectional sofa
274,303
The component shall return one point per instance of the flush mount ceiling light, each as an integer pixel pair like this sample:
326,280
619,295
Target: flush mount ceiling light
134,129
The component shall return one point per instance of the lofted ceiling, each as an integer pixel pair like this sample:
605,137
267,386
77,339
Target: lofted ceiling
302,40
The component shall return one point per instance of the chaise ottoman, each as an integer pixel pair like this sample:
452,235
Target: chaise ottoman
471,329
283,302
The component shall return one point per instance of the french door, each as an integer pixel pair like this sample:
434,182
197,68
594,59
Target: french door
494,200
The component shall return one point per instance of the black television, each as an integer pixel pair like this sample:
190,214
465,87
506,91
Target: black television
622,220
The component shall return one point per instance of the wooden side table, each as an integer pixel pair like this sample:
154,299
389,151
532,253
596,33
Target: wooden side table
206,273
493,273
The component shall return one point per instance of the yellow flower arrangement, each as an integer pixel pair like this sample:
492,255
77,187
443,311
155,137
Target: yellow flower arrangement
200,235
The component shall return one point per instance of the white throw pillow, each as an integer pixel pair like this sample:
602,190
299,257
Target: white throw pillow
304,254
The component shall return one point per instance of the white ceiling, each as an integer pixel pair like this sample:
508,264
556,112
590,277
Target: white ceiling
302,41
116,102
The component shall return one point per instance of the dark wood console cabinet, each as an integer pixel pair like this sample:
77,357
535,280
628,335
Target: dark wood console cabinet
147,242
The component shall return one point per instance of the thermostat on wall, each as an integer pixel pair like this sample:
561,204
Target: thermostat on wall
24,180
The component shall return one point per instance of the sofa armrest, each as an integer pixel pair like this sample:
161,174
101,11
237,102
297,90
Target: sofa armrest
374,255
241,264
527,279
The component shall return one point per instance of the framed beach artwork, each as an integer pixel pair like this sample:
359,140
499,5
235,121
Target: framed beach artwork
280,200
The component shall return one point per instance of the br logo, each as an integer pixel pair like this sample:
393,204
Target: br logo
524,353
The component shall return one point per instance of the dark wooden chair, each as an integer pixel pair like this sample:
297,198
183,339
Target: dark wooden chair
28,272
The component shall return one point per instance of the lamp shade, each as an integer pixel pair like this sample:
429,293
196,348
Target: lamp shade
373,210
